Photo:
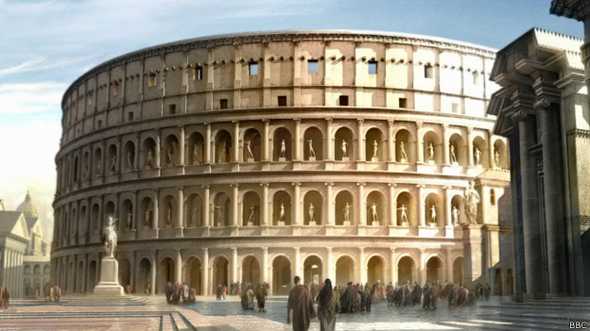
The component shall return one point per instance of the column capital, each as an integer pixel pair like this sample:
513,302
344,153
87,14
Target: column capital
359,184
392,184
328,184
295,184
234,185
206,186
264,184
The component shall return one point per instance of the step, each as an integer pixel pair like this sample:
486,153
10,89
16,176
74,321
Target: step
179,322
167,324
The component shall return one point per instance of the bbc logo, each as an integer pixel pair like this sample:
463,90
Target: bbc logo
579,324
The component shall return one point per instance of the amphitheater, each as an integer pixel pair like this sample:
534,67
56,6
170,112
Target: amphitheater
254,157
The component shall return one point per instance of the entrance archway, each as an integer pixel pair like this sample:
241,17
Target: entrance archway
143,280
165,273
405,270
220,272
344,270
312,270
250,271
433,270
281,275
193,274
375,270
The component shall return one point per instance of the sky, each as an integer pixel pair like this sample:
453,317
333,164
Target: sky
46,44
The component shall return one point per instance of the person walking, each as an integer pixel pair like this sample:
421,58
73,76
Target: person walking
327,306
299,306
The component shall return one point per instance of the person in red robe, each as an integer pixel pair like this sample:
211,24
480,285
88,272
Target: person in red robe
300,306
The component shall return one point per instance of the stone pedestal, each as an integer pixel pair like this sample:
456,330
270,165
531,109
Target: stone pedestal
472,251
109,278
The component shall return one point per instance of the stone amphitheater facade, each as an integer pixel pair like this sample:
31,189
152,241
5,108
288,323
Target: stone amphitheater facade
259,156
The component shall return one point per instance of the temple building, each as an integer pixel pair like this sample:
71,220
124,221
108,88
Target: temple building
247,158
542,107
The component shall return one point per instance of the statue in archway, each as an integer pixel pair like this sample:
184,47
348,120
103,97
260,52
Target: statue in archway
453,155
311,155
169,213
282,214
455,214
219,215
344,149
130,159
250,220
249,152
472,200
402,152
147,216
497,159
477,155
403,214
170,152
433,214
311,213
283,150
110,233
130,218
375,150
196,155
113,166
430,152
149,160
347,208
374,214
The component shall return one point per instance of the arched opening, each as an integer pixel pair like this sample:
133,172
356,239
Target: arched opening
252,146
171,155
282,145
193,214
457,209
250,271
193,273
344,210
110,211
251,209
220,272
344,149
312,270
222,212
86,164
404,151
433,209
375,208
313,202
147,209
124,273
130,155
149,154
281,207
196,149
83,232
281,275
223,147
94,217
433,270
98,162
432,152
480,152
168,212
458,270
143,278
76,174
404,213
166,274
457,150
344,270
405,270
500,155
314,146
375,270
127,218
113,164
374,150
91,276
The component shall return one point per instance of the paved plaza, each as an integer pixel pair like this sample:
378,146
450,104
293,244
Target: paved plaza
141,313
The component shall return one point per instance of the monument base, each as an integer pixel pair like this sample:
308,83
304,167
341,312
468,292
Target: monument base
109,278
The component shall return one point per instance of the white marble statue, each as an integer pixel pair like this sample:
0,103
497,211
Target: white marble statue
169,213
453,154
472,200
375,149
110,233
347,208
374,214
311,155
130,160
430,152
196,155
250,220
283,150
170,151
149,160
130,218
113,166
403,215
455,215
249,152
433,214
476,155
497,159
402,151
344,149
282,213
311,213
147,217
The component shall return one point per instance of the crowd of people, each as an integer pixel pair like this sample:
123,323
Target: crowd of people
180,293
249,292
53,293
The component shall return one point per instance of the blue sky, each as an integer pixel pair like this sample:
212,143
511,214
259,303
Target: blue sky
46,44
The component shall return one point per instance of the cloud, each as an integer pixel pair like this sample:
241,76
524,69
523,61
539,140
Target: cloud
27,98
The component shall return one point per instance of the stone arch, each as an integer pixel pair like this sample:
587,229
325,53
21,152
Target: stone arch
95,217
98,161
479,144
196,149
344,270
193,213
344,208
252,148
124,272
312,270
434,209
281,275
193,273
143,278
312,204
457,202
223,146
220,272
222,209
86,164
251,209
149,154
433,141
376,211
406,270
282,145
171,154
434,269
376,270
404,142
168,211
405,205
344,149
127,215
281,208
314,144
500,154
457,143
147,211
374,146
84,226
458,270
251,270
166,273
113,162
129,155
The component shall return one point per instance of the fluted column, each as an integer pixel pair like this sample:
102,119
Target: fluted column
157,149
330,204
235,210
362,266
178,266
156,215
205,274
392,206
206,203
207,143
392,269
448,207
361,205
296,204
298,270
419,142
265,206
298,141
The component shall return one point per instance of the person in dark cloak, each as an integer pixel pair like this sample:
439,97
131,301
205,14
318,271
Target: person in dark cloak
299,306
327,304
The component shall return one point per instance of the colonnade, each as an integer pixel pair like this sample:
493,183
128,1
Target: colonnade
12,275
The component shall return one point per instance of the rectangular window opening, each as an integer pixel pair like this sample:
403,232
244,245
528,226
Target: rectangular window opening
312,66
282,100
428,71
199,72
152,80
172,109
343,100
372,67
403,102
222,103
253,68
130,116
455,107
